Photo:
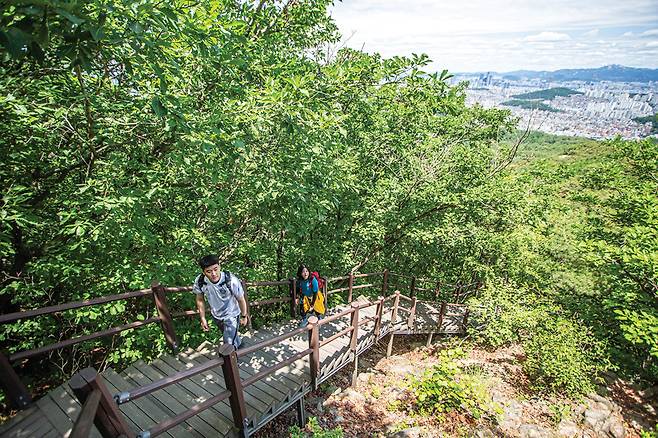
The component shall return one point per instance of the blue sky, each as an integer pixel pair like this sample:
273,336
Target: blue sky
505,35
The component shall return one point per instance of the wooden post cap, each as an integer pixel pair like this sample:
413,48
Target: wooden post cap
312,320
226,349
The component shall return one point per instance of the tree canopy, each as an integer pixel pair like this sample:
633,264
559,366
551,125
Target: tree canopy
139,135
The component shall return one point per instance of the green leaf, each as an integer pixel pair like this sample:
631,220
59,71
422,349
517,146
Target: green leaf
158,108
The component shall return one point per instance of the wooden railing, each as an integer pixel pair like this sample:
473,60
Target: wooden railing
99,404
229,359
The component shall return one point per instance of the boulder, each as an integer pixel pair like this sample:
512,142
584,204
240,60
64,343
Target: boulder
533,431
412,432
615,428
567,428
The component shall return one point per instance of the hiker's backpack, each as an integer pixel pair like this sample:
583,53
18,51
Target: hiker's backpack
227,281
317,277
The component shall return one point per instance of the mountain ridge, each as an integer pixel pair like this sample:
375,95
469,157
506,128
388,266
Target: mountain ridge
612,73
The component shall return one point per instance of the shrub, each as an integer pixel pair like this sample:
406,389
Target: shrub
562,357
446,387
315,430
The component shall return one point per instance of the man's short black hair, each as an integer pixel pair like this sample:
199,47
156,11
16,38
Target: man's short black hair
208,260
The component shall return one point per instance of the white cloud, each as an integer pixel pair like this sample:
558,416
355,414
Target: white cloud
652,44
649,33
547,36
502,35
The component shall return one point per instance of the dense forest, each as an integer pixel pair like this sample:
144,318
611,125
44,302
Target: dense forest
140,135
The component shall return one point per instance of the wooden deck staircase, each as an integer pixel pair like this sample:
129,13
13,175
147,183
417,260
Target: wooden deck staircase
55,414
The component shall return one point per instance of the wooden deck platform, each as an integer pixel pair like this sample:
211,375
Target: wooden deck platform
54,414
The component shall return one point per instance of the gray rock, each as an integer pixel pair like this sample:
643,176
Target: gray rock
400,366
512,415
339,419
497,397
319,407
412,432
364,377
615,428
567,428
483,433
533,431
601,401
595,418
354,396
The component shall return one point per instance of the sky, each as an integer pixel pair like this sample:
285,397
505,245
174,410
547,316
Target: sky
505,35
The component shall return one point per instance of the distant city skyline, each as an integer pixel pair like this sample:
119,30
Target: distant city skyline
505,35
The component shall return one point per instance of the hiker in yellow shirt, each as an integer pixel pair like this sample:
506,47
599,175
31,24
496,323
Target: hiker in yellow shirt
310,293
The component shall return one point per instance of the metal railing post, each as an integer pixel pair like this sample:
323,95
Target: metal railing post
160,299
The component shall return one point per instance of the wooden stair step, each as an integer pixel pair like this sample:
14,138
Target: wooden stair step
142,412
174,400
199,389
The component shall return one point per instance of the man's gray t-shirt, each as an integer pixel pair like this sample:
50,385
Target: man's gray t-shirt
222,299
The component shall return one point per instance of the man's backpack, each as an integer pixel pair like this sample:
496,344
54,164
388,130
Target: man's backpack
227,281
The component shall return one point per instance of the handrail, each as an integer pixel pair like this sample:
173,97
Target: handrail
331,318
400,275
269,301
371,274
367,320
10,317
344,277
37,351
176,289
268,283
85,420
140,391
367,304
342,289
